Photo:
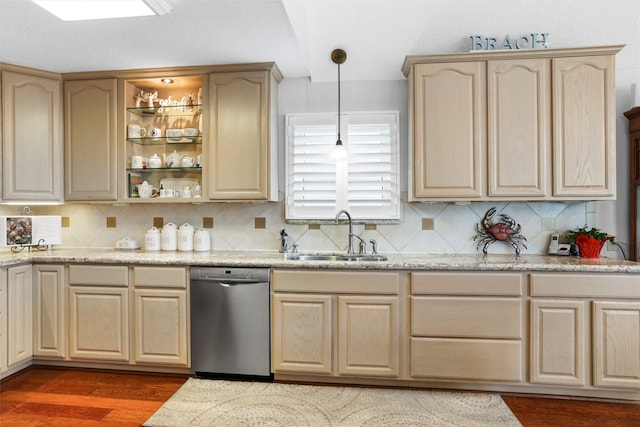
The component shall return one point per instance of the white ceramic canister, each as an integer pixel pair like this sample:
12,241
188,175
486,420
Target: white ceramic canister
185,237
202,241
169,237
152,239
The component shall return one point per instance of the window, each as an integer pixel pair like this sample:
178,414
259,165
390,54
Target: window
365,182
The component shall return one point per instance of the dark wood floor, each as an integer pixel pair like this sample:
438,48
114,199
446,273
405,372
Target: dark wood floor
68,397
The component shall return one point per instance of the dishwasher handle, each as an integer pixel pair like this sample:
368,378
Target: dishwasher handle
228,283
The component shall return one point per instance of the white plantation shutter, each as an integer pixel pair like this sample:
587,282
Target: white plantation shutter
365,183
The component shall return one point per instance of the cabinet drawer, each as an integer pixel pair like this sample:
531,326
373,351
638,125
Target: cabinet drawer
466,283
98,275
160,277
336,282
585,285
471,317
489,360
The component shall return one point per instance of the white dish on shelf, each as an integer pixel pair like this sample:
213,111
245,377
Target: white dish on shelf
177,184
174,133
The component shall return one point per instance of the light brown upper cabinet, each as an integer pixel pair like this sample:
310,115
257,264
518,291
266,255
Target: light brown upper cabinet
90,140
208,135
584,133
449,130
512,125
31,136
243,135
519,128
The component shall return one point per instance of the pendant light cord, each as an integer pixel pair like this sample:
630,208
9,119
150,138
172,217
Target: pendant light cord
339,141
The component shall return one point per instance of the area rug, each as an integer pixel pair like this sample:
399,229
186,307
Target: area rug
201,402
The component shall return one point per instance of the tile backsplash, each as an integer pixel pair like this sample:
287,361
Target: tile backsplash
430,228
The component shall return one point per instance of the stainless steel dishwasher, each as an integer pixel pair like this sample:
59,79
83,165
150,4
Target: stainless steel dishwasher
230,323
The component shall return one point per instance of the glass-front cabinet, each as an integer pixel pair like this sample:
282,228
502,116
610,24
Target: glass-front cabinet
164,139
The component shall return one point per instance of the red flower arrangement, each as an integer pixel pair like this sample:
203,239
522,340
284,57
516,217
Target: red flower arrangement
590,242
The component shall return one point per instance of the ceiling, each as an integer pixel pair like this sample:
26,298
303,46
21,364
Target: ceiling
299,35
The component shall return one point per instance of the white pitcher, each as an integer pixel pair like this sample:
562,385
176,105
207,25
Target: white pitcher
185,237
169,237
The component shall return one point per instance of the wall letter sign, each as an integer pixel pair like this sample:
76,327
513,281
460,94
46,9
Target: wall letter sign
529,41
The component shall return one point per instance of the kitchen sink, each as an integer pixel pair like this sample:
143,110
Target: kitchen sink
339,257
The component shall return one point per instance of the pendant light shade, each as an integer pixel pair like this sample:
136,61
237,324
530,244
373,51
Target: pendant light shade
339,56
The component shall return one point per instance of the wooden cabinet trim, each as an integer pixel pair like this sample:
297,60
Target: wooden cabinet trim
361,282
160,277
585,285
98,275
467,359
467,317
507,284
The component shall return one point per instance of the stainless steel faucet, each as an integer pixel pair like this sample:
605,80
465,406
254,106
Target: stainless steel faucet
284,241
350,248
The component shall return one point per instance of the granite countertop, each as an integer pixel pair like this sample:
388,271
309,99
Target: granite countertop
408,261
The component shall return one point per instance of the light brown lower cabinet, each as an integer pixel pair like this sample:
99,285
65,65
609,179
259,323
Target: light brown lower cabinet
467,326
302,333
160,333
585,330
135,315
318,329
4,329
49,311
99,313
368,336
19,315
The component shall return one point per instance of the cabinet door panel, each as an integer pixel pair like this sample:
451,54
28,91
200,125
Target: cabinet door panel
558,342
470,317
303,333
584,127
49,327
617,344
20,314
470,359
90,139
161,326
4,330
99,323
449,130
31,137
240,141
519,131
368,337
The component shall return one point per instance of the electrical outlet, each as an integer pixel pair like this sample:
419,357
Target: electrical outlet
611,244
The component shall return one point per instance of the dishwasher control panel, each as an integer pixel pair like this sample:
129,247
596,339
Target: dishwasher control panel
234,273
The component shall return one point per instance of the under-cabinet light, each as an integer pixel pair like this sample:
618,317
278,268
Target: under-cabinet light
74,10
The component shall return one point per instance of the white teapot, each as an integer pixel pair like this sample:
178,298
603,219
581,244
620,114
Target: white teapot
173,160
154,161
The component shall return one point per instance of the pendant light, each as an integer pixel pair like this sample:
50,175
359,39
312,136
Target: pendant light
339,56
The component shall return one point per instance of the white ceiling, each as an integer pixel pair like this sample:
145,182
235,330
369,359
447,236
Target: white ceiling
299,35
